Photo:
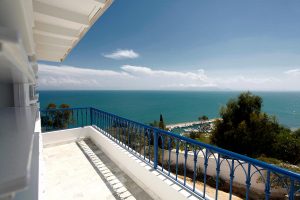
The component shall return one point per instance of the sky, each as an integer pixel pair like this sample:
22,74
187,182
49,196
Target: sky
185,45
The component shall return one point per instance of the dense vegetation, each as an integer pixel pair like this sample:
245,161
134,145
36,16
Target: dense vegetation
245,129
56,119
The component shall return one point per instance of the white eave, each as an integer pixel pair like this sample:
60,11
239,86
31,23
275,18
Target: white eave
60,24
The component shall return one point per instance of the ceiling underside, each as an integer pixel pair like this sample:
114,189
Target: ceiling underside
60,24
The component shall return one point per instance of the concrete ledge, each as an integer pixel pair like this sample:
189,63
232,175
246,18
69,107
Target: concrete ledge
156,185
64,136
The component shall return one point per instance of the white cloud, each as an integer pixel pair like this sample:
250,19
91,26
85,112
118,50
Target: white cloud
243,79
128,77
249,82
68,77
146,78
293,72
139,70
122,54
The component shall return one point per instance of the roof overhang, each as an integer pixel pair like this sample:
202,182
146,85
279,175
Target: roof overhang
60,24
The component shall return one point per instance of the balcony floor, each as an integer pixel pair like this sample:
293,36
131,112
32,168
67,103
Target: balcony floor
80,170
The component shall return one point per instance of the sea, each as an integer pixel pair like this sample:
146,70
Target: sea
175,106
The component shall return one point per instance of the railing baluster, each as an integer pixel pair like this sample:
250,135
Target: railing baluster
52,120
136,138
91,116
99,120
267,185
140,138
169,160
77,124
217,177
155,135
177,153
62,120
231,178
123,132
140,143
292,189
133,140
95,118
162,152
86,120
113,124
106,122
248,181
81,117
114,128
149,147
117,129
205,171
128,135
195,169
109,126
185,158
145,132
120,131
133,137
73,118
103,121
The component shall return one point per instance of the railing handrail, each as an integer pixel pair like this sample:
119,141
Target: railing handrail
198,143
58,109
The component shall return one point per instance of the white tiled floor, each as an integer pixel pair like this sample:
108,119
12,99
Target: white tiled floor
69,175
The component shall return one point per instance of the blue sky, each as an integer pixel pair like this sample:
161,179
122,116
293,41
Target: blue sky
186,45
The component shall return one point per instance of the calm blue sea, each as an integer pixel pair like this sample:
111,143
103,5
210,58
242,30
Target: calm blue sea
176,106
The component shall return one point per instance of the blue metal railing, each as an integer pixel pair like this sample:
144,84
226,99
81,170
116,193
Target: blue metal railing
191,163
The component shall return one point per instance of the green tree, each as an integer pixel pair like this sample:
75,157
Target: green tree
245,129
154,124
51,106
161,124
203,118
287,147
193,135
297,133
57,119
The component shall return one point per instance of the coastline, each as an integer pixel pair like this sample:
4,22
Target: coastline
175,106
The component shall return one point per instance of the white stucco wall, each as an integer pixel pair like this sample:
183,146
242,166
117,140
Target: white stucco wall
63,136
